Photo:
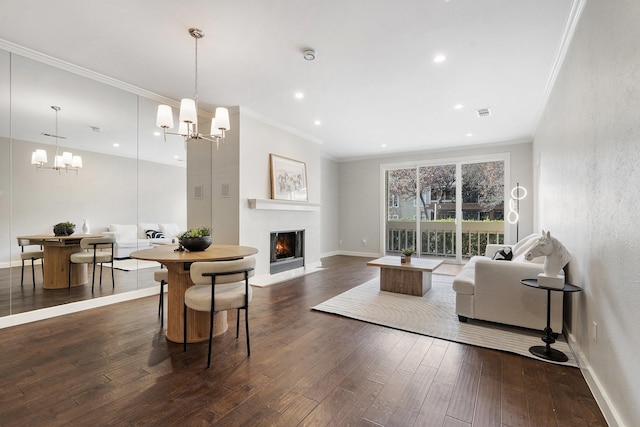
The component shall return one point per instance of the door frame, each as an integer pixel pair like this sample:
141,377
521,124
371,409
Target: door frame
458,162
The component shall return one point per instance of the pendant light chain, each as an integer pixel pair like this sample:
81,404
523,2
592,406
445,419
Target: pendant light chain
196,84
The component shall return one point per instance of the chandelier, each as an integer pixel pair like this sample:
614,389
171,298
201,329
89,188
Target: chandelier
65,162
188,117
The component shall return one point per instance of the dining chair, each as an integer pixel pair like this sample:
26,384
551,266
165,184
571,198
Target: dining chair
161,276
30,255
218,287
94,250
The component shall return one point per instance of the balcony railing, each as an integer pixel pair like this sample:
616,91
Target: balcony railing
438,238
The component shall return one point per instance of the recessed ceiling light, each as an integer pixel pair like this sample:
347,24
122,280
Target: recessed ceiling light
116,144
384,145
458,106
439,58
157,134
317,122
299,95
469,134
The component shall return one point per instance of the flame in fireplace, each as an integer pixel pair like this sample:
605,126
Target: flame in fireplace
283,248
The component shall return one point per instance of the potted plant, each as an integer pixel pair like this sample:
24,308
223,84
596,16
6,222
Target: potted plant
406,255
64,228
196,239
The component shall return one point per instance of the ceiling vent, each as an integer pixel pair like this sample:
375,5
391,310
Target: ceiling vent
483,112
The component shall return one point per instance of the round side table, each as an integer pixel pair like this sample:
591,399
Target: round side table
545,351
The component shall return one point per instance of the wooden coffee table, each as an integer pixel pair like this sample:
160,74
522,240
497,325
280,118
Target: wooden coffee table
413,278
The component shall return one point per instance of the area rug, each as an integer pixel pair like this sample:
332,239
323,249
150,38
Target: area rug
133,264
434,315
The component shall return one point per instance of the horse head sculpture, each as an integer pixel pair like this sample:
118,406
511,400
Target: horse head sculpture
556,254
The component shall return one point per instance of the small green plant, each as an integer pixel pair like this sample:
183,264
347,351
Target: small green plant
407,251
64,228
197,232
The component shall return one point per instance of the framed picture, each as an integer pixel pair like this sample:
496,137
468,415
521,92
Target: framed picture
288,179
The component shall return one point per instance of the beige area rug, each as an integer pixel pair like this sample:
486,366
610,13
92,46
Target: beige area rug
434,315
133,264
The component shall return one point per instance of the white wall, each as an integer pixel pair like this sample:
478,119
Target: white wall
109,189
329,212
361,198
587,157
257,140
210,167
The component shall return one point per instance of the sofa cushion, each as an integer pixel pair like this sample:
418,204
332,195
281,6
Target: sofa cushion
124,232
170,230
144,226
139,243
154,234
524,244
504,254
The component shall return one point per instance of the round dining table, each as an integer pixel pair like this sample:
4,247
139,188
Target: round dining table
57,251
178,264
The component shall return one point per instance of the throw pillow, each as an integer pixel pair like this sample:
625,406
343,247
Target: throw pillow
155,234
504,254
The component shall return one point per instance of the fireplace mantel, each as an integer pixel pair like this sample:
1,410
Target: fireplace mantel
282,205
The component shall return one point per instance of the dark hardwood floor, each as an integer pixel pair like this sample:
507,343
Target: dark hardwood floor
16,299
113,366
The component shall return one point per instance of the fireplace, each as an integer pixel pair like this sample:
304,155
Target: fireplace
287,250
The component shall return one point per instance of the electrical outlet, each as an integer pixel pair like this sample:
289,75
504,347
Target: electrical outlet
594,332
364,242
340,242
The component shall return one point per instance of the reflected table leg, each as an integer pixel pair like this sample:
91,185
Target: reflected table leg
56,268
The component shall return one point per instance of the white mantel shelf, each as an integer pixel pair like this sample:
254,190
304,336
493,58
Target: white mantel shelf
282,205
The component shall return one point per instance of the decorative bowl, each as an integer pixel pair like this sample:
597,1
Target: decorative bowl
196,244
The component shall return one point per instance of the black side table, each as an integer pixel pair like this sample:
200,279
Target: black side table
545,351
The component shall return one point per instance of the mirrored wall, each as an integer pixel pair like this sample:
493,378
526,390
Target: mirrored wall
129,174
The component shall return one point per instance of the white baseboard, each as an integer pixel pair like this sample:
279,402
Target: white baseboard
264,280
603,400
361,254
328,254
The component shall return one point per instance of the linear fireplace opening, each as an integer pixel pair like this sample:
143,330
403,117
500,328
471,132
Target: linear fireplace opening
287,250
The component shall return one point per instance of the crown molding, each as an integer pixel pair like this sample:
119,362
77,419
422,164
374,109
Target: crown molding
569,30
286,128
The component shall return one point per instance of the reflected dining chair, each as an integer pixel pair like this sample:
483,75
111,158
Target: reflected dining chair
30,255
94,250
161,276
220,286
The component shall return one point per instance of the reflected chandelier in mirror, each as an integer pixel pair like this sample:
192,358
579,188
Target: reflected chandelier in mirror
61,162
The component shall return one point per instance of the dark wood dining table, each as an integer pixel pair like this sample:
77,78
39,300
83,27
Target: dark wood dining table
178,264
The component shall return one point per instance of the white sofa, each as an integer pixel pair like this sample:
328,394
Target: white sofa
490,290
132,237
